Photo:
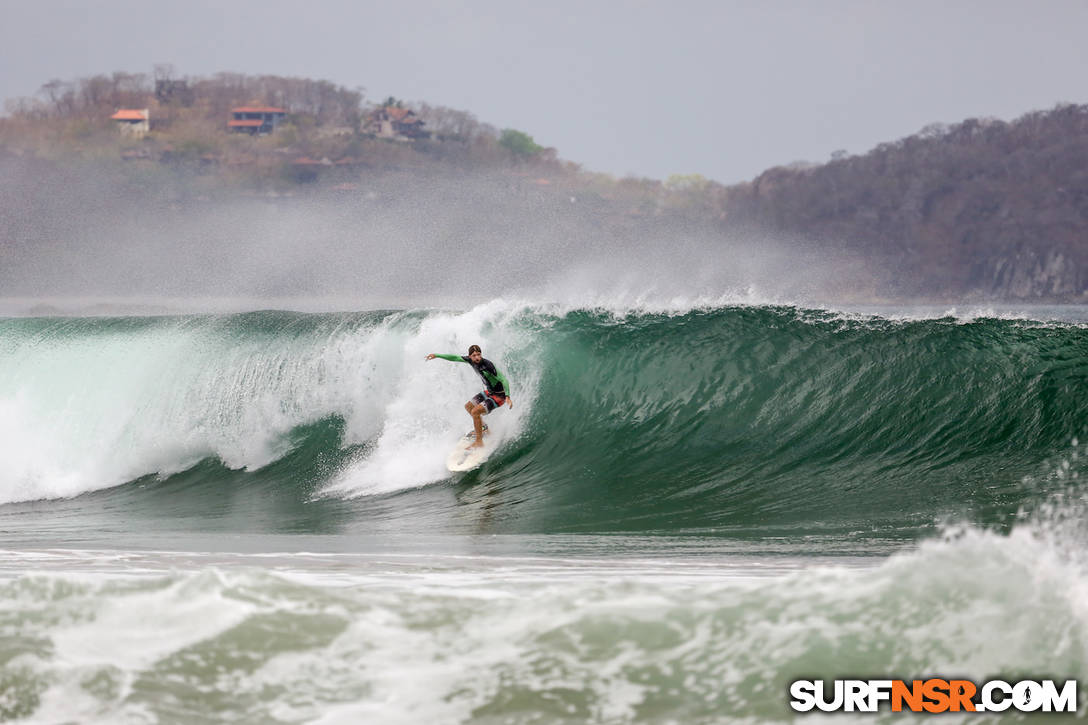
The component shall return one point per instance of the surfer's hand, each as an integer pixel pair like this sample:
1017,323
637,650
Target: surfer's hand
431,356
510,402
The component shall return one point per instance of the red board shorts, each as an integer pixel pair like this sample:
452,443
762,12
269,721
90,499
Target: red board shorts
489,400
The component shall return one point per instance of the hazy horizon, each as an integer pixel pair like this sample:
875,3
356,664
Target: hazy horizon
647,89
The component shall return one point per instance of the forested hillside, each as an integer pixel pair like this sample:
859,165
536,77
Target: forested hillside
983,209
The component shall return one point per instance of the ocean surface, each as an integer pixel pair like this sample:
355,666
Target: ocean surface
246,517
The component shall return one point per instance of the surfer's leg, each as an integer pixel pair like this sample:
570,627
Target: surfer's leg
478,407
476,400
478,423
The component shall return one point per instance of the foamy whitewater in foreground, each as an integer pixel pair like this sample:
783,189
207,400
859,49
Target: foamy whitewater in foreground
405,639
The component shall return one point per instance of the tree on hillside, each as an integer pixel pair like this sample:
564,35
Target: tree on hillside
449,123
519,143
686,182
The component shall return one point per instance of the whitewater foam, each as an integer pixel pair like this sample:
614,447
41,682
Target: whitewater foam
509,640
90,405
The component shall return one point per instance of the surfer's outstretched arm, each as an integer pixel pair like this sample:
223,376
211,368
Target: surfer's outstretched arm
451,358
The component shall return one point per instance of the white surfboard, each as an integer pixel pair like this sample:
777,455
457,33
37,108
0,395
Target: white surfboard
463,458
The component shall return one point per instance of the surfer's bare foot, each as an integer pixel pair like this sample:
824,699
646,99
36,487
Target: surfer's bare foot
477,444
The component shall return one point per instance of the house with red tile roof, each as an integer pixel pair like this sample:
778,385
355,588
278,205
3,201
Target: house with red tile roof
395,122
134,122
256,119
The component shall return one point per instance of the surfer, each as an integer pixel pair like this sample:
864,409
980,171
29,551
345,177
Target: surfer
494,395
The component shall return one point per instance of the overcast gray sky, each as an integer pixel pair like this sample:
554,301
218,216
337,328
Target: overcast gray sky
649,88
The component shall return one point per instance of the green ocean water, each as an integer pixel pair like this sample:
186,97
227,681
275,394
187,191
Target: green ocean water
247,517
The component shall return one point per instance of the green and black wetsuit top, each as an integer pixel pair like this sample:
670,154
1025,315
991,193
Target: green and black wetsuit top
494,381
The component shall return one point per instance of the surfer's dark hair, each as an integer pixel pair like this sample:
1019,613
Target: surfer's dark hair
475,348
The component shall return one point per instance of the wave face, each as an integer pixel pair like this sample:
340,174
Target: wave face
720,418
